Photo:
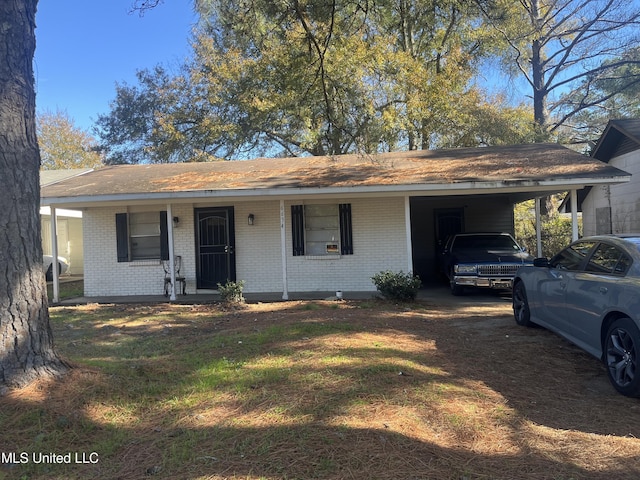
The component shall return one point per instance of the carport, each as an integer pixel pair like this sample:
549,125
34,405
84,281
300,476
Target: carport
486,184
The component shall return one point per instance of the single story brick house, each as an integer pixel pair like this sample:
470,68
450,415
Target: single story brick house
309,224
615,208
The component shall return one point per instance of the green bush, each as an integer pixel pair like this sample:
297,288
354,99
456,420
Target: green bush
556,229
397,286
231,292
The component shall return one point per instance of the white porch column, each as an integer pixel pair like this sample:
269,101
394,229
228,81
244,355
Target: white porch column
283,252
574,215
54,254
538,230
172,265
407,227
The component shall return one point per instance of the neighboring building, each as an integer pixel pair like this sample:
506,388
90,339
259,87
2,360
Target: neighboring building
69,225
309,224
615,208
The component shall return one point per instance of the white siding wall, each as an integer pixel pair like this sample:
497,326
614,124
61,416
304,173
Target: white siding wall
623,199
378,236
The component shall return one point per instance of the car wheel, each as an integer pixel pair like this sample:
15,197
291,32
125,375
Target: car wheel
521,311
622,352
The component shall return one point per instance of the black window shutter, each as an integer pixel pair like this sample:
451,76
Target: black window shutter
297,229
346,237
122,237
164,236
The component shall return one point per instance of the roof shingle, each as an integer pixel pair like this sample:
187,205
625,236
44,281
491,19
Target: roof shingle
533,162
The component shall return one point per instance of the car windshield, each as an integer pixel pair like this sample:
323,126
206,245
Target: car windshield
485,242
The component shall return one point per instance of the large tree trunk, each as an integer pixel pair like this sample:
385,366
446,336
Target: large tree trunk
540,113
26,344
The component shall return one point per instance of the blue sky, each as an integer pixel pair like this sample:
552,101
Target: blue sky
83,47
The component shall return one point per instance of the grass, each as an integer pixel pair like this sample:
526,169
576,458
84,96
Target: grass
68,289
317,390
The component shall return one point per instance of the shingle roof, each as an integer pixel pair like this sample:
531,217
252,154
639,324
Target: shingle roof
531,162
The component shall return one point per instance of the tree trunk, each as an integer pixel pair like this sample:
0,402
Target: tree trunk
540,114
26,343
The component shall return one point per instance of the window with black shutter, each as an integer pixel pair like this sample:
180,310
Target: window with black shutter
142,236
322,229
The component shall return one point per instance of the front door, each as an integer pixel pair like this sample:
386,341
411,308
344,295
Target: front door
215,247
449,221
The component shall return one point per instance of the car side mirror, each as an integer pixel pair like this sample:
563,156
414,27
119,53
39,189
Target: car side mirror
541,262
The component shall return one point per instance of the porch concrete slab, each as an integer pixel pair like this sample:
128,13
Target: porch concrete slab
433,293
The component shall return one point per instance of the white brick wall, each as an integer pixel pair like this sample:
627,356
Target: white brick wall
378,236
258,257
103,275
379,243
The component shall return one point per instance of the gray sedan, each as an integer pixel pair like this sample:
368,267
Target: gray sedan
589,293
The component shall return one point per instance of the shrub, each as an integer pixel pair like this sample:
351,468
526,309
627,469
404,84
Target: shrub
231,292
556,230
397,286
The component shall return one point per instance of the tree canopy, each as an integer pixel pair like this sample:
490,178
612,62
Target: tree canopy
300,77
565,50
63,145
610,94
297,77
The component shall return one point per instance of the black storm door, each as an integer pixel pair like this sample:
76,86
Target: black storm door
215,247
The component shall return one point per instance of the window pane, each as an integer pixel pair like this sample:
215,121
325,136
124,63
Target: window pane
604,259
144,230
623,265
147,223
322,230
145,248
572,257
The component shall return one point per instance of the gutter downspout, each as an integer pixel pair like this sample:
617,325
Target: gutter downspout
407,227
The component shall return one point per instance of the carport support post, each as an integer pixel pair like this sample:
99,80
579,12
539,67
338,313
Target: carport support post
538,229
574,214
283,252
407,227
172,265
54,254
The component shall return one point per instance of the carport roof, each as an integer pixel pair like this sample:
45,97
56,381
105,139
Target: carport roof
516,168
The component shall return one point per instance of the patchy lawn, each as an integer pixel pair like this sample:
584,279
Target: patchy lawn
328,390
